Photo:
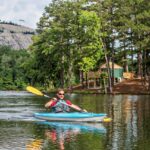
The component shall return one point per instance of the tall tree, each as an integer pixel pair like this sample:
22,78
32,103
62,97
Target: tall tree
67,35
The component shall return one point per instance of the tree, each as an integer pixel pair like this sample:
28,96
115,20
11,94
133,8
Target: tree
12,74
68,33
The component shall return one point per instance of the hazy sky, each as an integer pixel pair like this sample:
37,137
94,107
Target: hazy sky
24,12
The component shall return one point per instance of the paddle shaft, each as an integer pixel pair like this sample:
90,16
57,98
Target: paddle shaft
59,101
64,103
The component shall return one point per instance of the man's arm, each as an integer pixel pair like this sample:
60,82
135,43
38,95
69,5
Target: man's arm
51,103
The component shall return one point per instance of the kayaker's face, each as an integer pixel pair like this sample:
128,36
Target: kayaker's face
60,94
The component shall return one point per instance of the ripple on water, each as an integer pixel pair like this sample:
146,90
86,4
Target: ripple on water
19,135
6,94
17,105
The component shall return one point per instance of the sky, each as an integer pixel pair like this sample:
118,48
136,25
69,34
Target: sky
23,12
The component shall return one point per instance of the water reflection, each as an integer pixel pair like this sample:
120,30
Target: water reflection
59,134
81,126
54,139
127,114
35,145
60,137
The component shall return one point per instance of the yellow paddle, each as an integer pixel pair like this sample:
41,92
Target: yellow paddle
35,91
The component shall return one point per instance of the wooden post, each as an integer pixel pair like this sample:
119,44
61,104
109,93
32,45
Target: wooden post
88,83
105,89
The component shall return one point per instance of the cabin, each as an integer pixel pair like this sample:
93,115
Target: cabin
94,79
118,70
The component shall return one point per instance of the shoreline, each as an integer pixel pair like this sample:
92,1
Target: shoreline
132,87
113,93
87,91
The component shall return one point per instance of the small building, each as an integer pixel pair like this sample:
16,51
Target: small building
118,70
93,78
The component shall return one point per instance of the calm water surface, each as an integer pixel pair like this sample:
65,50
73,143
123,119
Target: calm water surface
129,130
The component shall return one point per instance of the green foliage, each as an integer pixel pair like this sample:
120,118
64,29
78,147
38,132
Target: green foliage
91,45
12,75
87,64
103,75
68,35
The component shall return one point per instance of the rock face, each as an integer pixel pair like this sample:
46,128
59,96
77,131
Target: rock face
15,36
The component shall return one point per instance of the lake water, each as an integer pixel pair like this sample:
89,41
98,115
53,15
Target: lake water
129,129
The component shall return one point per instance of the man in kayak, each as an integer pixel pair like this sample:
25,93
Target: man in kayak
59,104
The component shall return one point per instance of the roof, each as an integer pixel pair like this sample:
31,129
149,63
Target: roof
110,64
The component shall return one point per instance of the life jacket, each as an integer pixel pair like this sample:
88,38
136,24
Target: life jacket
60,107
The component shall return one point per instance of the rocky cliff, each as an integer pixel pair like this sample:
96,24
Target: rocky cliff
15,36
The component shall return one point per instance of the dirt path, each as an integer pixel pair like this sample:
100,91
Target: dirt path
132,86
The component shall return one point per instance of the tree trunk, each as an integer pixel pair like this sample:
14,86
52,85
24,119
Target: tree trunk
81,78
112,73
109,74
140,73
62,74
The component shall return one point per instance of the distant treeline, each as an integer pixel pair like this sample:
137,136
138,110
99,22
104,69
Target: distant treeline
11,23
24,32
28,32
11,31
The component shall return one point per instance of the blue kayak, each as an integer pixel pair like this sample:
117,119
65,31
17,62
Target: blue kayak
74,116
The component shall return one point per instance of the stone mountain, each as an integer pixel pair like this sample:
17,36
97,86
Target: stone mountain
15,36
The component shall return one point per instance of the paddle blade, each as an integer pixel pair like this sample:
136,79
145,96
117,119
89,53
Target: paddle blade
34,91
